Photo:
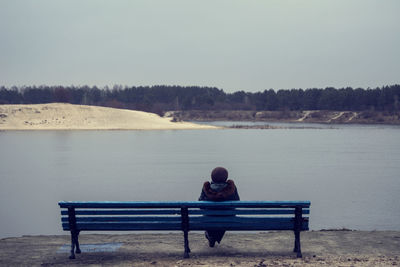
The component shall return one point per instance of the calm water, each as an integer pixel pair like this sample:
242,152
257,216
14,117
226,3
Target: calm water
350,173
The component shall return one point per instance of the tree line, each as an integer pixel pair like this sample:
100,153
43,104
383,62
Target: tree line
162,98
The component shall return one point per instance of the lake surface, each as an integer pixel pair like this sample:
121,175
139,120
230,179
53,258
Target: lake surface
349,173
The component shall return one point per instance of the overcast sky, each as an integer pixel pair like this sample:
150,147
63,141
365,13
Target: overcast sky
233,45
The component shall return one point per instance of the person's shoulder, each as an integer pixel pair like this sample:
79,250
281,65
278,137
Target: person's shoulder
206,184
230,183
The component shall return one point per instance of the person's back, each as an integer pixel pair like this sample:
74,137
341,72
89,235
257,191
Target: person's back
220,189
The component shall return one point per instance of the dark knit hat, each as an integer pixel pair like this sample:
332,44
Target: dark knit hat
219,175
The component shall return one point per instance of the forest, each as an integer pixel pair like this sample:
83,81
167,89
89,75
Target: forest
162,98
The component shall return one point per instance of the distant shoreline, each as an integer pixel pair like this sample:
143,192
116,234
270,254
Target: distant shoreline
309,116
62,116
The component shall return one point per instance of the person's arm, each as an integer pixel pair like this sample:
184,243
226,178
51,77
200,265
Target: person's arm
236,196
202,196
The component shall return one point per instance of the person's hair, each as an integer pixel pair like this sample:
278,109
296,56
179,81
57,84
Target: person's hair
219,175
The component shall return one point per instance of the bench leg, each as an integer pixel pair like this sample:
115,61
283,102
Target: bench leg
74,244
297,246
187,249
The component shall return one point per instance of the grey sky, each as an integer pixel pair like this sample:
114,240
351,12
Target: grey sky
233,45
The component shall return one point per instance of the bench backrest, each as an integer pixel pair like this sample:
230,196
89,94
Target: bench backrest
191,215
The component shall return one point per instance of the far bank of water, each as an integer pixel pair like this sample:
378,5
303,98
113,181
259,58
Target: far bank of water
350,173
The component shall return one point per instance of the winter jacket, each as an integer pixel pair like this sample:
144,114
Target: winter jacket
219,191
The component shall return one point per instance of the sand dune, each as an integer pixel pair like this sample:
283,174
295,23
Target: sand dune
60,116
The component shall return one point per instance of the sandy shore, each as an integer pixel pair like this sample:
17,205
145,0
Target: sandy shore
320,248
58,116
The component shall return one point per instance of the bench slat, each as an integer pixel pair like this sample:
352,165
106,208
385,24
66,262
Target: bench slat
197,219
194,226
123,212
198,204
157,219
178,212
240,220
125,226
247,211
247,227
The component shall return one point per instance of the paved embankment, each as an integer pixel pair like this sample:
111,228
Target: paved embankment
332,248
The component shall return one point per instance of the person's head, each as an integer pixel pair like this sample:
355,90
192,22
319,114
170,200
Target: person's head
219,175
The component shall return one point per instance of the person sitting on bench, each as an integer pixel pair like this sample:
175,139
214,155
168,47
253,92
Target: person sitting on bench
220,189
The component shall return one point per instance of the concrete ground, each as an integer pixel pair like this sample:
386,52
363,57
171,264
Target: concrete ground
320,248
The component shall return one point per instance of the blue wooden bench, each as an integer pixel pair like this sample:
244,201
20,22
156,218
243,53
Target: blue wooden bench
184,216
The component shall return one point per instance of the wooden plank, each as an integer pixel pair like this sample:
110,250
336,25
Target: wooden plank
226,220
160,219
177,226
125,212
177,212
152,219
245,227
126,226
178,204
243,220
243,211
